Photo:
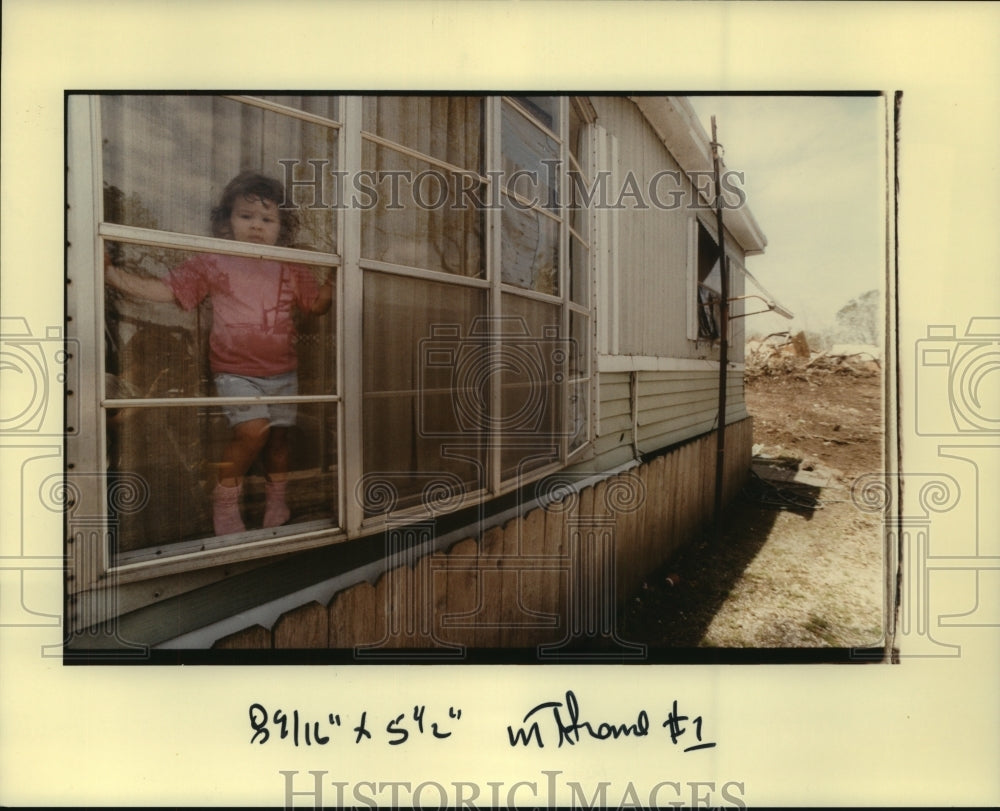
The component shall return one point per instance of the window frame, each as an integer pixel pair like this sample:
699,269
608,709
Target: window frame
735,264
86,235
94,560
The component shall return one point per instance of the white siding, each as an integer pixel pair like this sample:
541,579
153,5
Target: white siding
671,407
654,243
613,445
645,410
674,406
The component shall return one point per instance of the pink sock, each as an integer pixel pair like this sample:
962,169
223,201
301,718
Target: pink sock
276,510
226,510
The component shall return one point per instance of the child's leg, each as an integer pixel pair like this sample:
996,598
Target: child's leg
276,511
248,440
276,454
246,443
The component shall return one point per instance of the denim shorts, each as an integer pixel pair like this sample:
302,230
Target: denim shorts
277,414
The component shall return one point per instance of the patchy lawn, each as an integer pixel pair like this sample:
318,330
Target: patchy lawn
793,564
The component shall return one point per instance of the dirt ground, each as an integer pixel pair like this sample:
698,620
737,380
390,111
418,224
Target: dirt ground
793,564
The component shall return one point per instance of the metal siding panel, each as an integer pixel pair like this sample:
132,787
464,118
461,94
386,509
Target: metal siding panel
614,391
613,445
672,437
661,388
653,246
613,457
674,406
613,425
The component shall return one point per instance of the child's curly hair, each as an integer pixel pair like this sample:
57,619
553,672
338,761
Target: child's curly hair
252,185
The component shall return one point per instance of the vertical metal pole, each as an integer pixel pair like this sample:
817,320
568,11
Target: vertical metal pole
720,455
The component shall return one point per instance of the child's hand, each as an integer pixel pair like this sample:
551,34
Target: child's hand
140,287
325,297
323,276
112,273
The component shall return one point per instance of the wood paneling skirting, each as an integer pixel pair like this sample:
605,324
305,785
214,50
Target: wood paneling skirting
551,577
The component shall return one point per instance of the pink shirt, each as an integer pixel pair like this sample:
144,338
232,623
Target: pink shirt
253,332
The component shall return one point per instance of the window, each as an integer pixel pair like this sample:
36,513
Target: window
453,349
709,290
546,299
164,162
581,228
705,287
423,270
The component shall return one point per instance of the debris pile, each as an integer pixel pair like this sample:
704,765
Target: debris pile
783,354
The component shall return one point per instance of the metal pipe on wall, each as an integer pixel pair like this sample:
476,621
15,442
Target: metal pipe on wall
723,332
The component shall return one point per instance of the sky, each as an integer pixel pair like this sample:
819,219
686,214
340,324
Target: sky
815,181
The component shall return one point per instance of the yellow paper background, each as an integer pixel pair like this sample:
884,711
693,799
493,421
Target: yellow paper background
920,733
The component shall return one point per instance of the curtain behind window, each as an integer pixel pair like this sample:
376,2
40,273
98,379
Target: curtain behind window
422,218
166,160
415,430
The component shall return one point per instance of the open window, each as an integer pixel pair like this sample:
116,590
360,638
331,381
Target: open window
708,293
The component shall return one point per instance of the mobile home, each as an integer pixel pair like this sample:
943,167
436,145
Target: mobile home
506,417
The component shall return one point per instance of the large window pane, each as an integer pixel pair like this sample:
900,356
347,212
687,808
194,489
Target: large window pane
160,351
448,128
176,453
529,250
167,160
530,160
534,361
424,421
544,109
419,216
163,350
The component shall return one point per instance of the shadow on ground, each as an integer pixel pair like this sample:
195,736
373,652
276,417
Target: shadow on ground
676,604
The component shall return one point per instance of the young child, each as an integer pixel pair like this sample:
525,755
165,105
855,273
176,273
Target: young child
252,342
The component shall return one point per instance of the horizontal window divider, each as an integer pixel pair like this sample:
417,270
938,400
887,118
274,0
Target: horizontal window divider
524,292
373,395
581,309
167,551
420,156
284,109
193,242
424,273
554,214
208,399
417,511
224,551
382,395
515,482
